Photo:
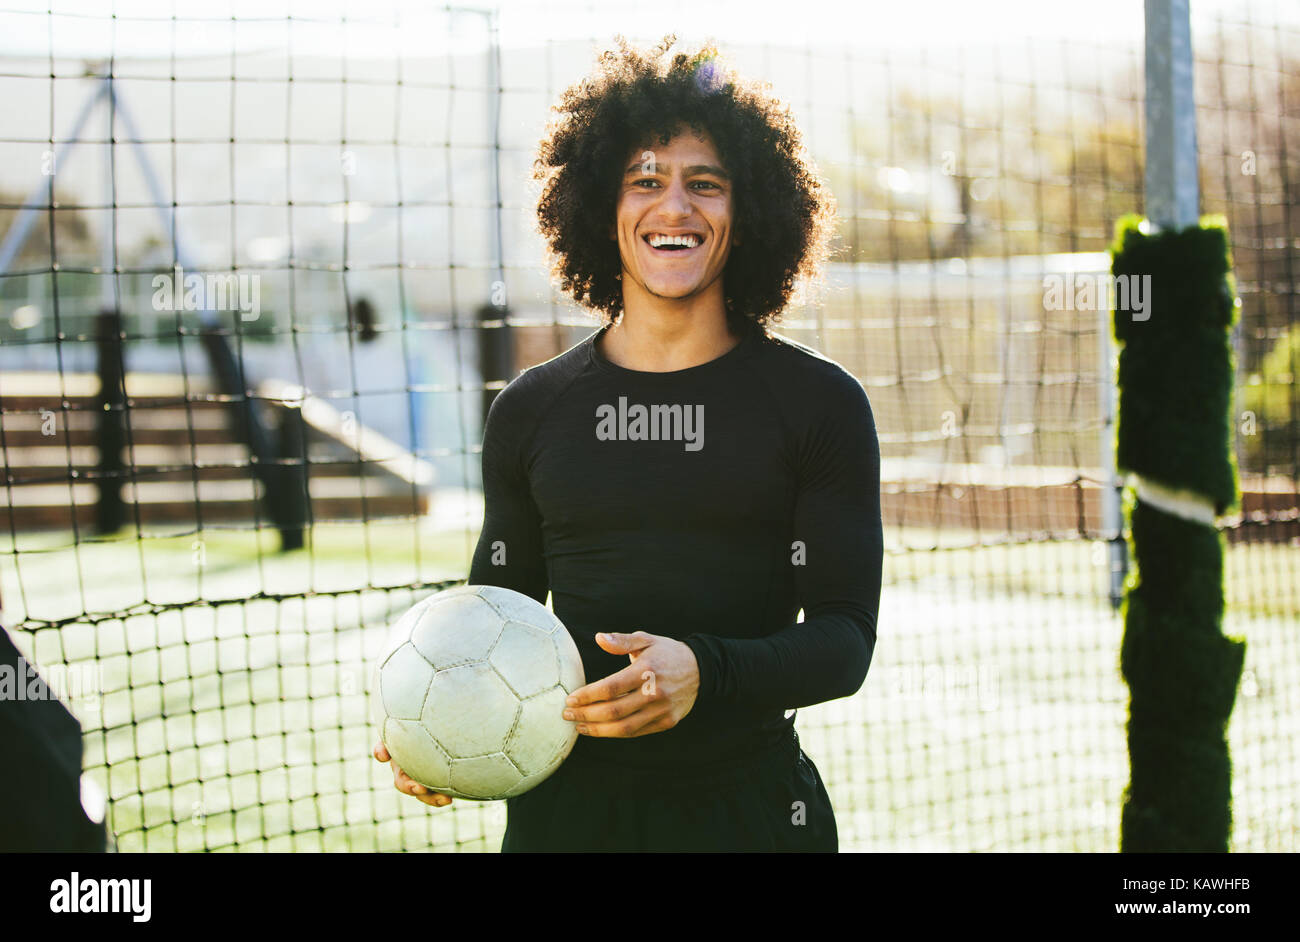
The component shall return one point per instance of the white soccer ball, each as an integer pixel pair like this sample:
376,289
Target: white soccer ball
469,692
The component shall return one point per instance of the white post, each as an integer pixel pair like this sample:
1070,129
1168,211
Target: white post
1112,490
108,278
1172,195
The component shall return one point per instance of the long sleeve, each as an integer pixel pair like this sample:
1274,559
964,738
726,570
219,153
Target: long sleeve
837,560
509,551
678,518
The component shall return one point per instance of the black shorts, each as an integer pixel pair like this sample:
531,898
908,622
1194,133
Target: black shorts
772,802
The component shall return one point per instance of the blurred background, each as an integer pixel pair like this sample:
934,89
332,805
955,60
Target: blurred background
218,496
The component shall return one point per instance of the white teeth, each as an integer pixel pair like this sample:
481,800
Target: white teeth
689,240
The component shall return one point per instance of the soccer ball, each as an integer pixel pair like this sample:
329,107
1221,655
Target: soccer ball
469,692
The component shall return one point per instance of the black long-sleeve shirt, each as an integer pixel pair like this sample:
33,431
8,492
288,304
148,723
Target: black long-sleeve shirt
713,523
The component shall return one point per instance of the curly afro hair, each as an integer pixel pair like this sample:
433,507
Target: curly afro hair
783,211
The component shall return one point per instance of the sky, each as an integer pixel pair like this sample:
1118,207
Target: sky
86,28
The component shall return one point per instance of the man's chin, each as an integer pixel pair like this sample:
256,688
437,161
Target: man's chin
674,291
671,294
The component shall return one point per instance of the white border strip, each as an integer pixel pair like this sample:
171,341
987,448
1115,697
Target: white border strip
1180,503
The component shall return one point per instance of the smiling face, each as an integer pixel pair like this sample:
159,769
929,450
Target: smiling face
674,221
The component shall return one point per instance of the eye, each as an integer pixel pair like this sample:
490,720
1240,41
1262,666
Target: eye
648,182
705,183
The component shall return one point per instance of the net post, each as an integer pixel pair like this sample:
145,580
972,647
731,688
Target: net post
1172,195
1182,672
110,423
1112,485
291,499
496,351
496,345
110,430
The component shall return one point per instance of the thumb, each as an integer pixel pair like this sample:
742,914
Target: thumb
619,643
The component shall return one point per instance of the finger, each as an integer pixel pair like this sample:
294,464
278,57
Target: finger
617,642
625,728
381,753
435,799
405,783
409,786
608,688
657,726
607,710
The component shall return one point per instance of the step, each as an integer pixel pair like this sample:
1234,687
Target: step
48,386
183,518
54,505
183,451
147,427
54,463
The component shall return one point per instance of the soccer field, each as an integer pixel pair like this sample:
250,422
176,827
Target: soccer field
1000,725
992,718
264,273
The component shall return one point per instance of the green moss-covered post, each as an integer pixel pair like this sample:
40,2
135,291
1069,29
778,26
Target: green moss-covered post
1174,439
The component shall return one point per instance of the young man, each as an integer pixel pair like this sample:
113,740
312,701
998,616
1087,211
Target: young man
683,482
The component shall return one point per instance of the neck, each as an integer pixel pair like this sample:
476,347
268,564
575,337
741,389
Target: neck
661,335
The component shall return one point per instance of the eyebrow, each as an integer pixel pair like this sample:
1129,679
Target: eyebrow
693,170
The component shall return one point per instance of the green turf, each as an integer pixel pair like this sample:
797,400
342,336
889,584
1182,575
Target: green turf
992,718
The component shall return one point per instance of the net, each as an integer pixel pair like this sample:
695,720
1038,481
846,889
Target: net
279,259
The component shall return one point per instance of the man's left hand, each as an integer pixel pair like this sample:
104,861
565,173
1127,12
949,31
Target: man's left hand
650,695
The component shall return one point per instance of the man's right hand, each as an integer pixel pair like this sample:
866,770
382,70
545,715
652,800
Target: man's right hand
407,785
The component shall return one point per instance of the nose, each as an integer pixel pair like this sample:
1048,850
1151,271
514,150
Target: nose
676,202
